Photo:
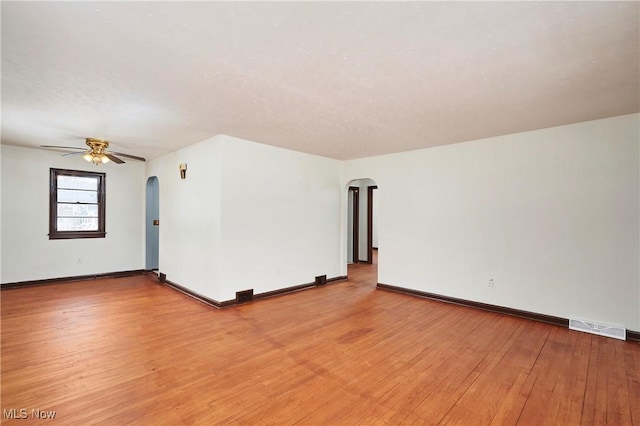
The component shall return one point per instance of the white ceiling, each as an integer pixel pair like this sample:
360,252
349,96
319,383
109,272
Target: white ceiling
343,80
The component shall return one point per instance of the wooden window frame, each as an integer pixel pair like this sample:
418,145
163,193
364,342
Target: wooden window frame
54,234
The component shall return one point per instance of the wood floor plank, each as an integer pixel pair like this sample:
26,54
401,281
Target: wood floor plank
132,351
507,370
550,395
632,371
618,402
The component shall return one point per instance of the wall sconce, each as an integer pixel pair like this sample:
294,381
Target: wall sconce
183,170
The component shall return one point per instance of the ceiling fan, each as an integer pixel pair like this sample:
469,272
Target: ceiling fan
97,152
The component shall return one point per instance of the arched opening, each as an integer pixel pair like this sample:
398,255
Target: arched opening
152,224
362,227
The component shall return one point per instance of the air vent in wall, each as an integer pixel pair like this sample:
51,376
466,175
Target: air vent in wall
244,296
599,329
321,280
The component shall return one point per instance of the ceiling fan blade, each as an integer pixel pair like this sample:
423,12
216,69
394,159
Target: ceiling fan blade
113,158
71,154
62,147
133,157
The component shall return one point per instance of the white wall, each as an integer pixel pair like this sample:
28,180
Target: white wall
280,217
190,216
27,252
247,216
551,215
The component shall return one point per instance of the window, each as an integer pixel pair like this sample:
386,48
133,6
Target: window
76,204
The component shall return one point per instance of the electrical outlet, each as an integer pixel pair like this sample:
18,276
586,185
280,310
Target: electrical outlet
490,282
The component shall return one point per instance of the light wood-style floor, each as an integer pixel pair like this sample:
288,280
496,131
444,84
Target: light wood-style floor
131,351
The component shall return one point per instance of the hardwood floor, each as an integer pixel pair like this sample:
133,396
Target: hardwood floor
131,351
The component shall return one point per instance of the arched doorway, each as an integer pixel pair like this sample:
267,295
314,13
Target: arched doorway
152,221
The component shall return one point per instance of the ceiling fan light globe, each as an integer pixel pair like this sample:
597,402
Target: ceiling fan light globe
88,157
104,159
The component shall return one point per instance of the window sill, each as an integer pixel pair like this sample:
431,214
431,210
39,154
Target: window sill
77,235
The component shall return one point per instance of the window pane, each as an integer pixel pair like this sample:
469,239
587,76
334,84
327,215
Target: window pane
71,196
77,224
84,210
76,204
75,182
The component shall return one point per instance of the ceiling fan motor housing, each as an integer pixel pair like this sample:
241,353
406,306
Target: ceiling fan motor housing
97,154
